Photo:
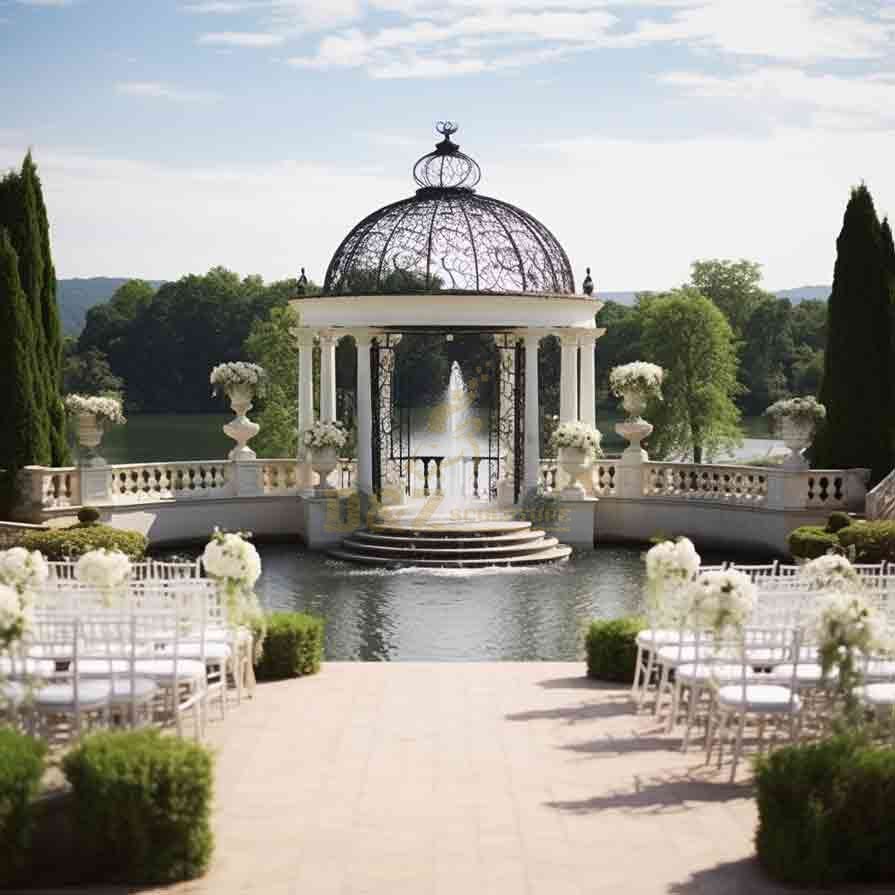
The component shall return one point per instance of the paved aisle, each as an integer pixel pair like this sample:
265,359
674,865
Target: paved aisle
461,779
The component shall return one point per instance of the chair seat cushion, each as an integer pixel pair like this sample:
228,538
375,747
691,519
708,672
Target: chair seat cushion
103,667
215,650
806,673
143,689
163,669
649,638
879,670
28,667
878,694
764,698
11,693
705,672
61,697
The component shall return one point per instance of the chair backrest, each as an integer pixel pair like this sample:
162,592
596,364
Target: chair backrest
61,570
755,572
156,570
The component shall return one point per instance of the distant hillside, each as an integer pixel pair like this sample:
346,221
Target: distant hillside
800,293
77,295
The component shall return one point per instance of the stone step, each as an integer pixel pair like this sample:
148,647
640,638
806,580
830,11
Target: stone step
450,529
553,554
473,539
411,550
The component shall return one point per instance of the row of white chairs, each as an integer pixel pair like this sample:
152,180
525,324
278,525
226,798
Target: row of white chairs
144,570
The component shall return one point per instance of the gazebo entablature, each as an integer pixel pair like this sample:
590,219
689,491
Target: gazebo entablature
530,317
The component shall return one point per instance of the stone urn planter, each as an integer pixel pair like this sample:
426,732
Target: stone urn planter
90,435
323,461
574,463
796,435
635,428
241,429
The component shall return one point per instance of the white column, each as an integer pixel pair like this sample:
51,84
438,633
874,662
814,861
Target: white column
532,412
327,376
364,414
588,378
305,384
568,382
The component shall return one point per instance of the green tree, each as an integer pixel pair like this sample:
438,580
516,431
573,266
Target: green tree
732,285
17,410
856,386
888,249
88,372
621,342
767,354
808,322
690,338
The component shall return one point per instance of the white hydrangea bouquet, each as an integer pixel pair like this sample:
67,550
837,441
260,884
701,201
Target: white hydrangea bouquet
15,615
234,563
847,628
579,435
106,570
638,376
21,573
322,434
225,377
722,600
831,572
105,408
671,567
803,411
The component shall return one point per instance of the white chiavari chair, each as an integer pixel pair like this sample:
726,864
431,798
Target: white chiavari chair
755,572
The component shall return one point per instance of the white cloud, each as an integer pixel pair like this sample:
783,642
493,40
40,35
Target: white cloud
56,3
218,7
240,39
161,90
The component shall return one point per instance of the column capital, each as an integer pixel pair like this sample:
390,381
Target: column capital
329,336
362,336
304,336
533,335
588,337
568,338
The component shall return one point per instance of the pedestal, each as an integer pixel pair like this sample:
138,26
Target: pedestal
94,485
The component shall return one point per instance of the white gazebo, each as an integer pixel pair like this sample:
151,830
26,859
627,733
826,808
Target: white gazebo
448,259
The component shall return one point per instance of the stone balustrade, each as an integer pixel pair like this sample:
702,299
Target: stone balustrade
881,500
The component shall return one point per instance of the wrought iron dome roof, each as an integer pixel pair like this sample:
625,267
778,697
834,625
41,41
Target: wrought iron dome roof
448,237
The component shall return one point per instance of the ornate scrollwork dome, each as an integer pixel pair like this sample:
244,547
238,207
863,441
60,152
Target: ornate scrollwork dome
448,237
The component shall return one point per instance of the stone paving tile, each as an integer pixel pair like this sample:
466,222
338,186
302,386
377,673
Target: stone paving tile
481,779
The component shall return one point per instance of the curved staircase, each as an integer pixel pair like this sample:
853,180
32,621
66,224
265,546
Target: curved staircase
452,545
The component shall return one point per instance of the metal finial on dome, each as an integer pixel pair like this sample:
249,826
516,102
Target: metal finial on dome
302,285
447,167
588,285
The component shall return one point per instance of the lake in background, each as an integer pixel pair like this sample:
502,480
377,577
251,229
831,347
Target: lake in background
198,436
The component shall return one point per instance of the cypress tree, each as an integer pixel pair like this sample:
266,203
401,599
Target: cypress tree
888,251
17,410
52,331
857,380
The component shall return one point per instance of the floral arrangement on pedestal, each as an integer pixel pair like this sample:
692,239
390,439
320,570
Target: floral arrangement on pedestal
671,567
105,408
636,384
831,572
106,570
325,434
238,374
847,628
579,436
233,562
804,411
21,572
722,601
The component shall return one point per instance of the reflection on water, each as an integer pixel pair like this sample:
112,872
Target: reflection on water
446,614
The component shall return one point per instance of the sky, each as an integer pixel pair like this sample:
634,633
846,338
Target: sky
172,136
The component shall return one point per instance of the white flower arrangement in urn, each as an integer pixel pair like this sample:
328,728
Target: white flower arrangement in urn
324,439
93,415
21,573
576,444
241,381
636,383
796,420
671,567
233,562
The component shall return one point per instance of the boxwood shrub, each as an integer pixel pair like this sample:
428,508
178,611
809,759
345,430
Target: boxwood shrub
21,770
872,541
811,541
76,540
825,813
612,648
293,646
141,804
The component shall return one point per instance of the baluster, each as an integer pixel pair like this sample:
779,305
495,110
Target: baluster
476,462
438,462
425,476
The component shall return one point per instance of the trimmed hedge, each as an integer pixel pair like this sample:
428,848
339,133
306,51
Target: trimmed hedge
293,646
21,770
88,515
612,648
872,541
142,804
76,540
811,541
838,521
825,813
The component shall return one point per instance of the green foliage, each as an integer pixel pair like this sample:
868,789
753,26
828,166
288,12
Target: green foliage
689,337
857,361
825,813
76,540
838,521
870,541
811,541
612,648
733,286
293,646
88,372
21,770
88,515
767,348
142,802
